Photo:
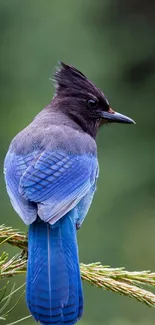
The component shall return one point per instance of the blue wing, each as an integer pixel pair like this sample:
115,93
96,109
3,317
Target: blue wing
56,181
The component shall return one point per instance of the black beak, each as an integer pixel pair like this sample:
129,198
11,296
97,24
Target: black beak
114,117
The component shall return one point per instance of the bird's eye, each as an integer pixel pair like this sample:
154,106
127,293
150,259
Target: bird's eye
92,103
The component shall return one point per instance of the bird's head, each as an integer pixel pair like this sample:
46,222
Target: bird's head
83,102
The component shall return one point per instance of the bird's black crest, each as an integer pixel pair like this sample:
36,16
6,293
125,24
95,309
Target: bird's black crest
67,77
67,73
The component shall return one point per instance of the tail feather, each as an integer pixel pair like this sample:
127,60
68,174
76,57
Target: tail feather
54,289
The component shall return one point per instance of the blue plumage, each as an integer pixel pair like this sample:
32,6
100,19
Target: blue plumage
58,187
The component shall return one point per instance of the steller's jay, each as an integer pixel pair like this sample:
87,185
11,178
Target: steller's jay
51,170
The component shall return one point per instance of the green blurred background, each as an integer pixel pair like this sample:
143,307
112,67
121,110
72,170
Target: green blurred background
113,43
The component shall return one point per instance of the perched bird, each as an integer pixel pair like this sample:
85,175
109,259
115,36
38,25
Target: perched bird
50,171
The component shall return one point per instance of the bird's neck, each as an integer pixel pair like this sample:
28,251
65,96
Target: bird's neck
90,127
48,116
60,113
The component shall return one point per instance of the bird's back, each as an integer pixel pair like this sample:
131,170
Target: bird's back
53,130
49,134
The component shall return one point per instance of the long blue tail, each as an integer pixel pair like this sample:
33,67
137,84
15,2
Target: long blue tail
54,288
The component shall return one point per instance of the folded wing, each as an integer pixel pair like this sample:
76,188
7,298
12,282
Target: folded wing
57,181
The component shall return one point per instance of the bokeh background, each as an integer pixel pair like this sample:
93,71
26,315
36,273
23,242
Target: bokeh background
113,43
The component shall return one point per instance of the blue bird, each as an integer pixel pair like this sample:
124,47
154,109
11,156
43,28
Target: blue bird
51,169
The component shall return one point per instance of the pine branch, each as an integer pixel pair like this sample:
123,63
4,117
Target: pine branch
112,279
13,237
